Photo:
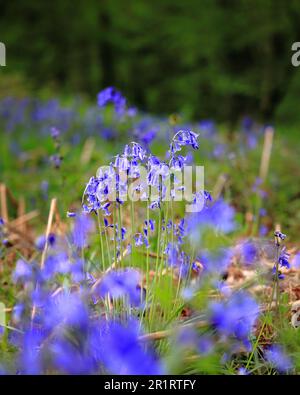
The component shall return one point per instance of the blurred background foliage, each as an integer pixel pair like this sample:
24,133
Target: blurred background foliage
205,58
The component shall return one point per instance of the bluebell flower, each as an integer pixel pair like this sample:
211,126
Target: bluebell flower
55,133
249,253
177,258
139,239
263,230
262,212
58,263
109,133
121,283
153,161
180,231
82,227
157,174
145,131
296,260
77,271
38,296
184,138
243,371
215,262
23,272
31,358
41,241
66,309
123,233
283,259
235,317
151,224
148,136
279,274
219,216
279,235
177,162
276,356
122,352
154,205
172,253
137,152
122,162
90,192
71,359
205,345
252,140
111,95
56,160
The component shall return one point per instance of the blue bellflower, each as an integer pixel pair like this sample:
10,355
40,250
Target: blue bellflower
122,352
236,317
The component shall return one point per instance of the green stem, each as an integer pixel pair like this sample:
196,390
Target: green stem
120,231
152,307
115,235
132,230
101,239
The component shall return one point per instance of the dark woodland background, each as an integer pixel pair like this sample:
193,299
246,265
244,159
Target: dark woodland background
207,58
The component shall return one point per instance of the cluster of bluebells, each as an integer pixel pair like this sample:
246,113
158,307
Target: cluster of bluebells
33,115
61,323
110,187
112,182
65,322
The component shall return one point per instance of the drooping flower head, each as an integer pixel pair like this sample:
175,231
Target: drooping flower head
111,95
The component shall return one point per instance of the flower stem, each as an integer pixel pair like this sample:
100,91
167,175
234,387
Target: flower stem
101,239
